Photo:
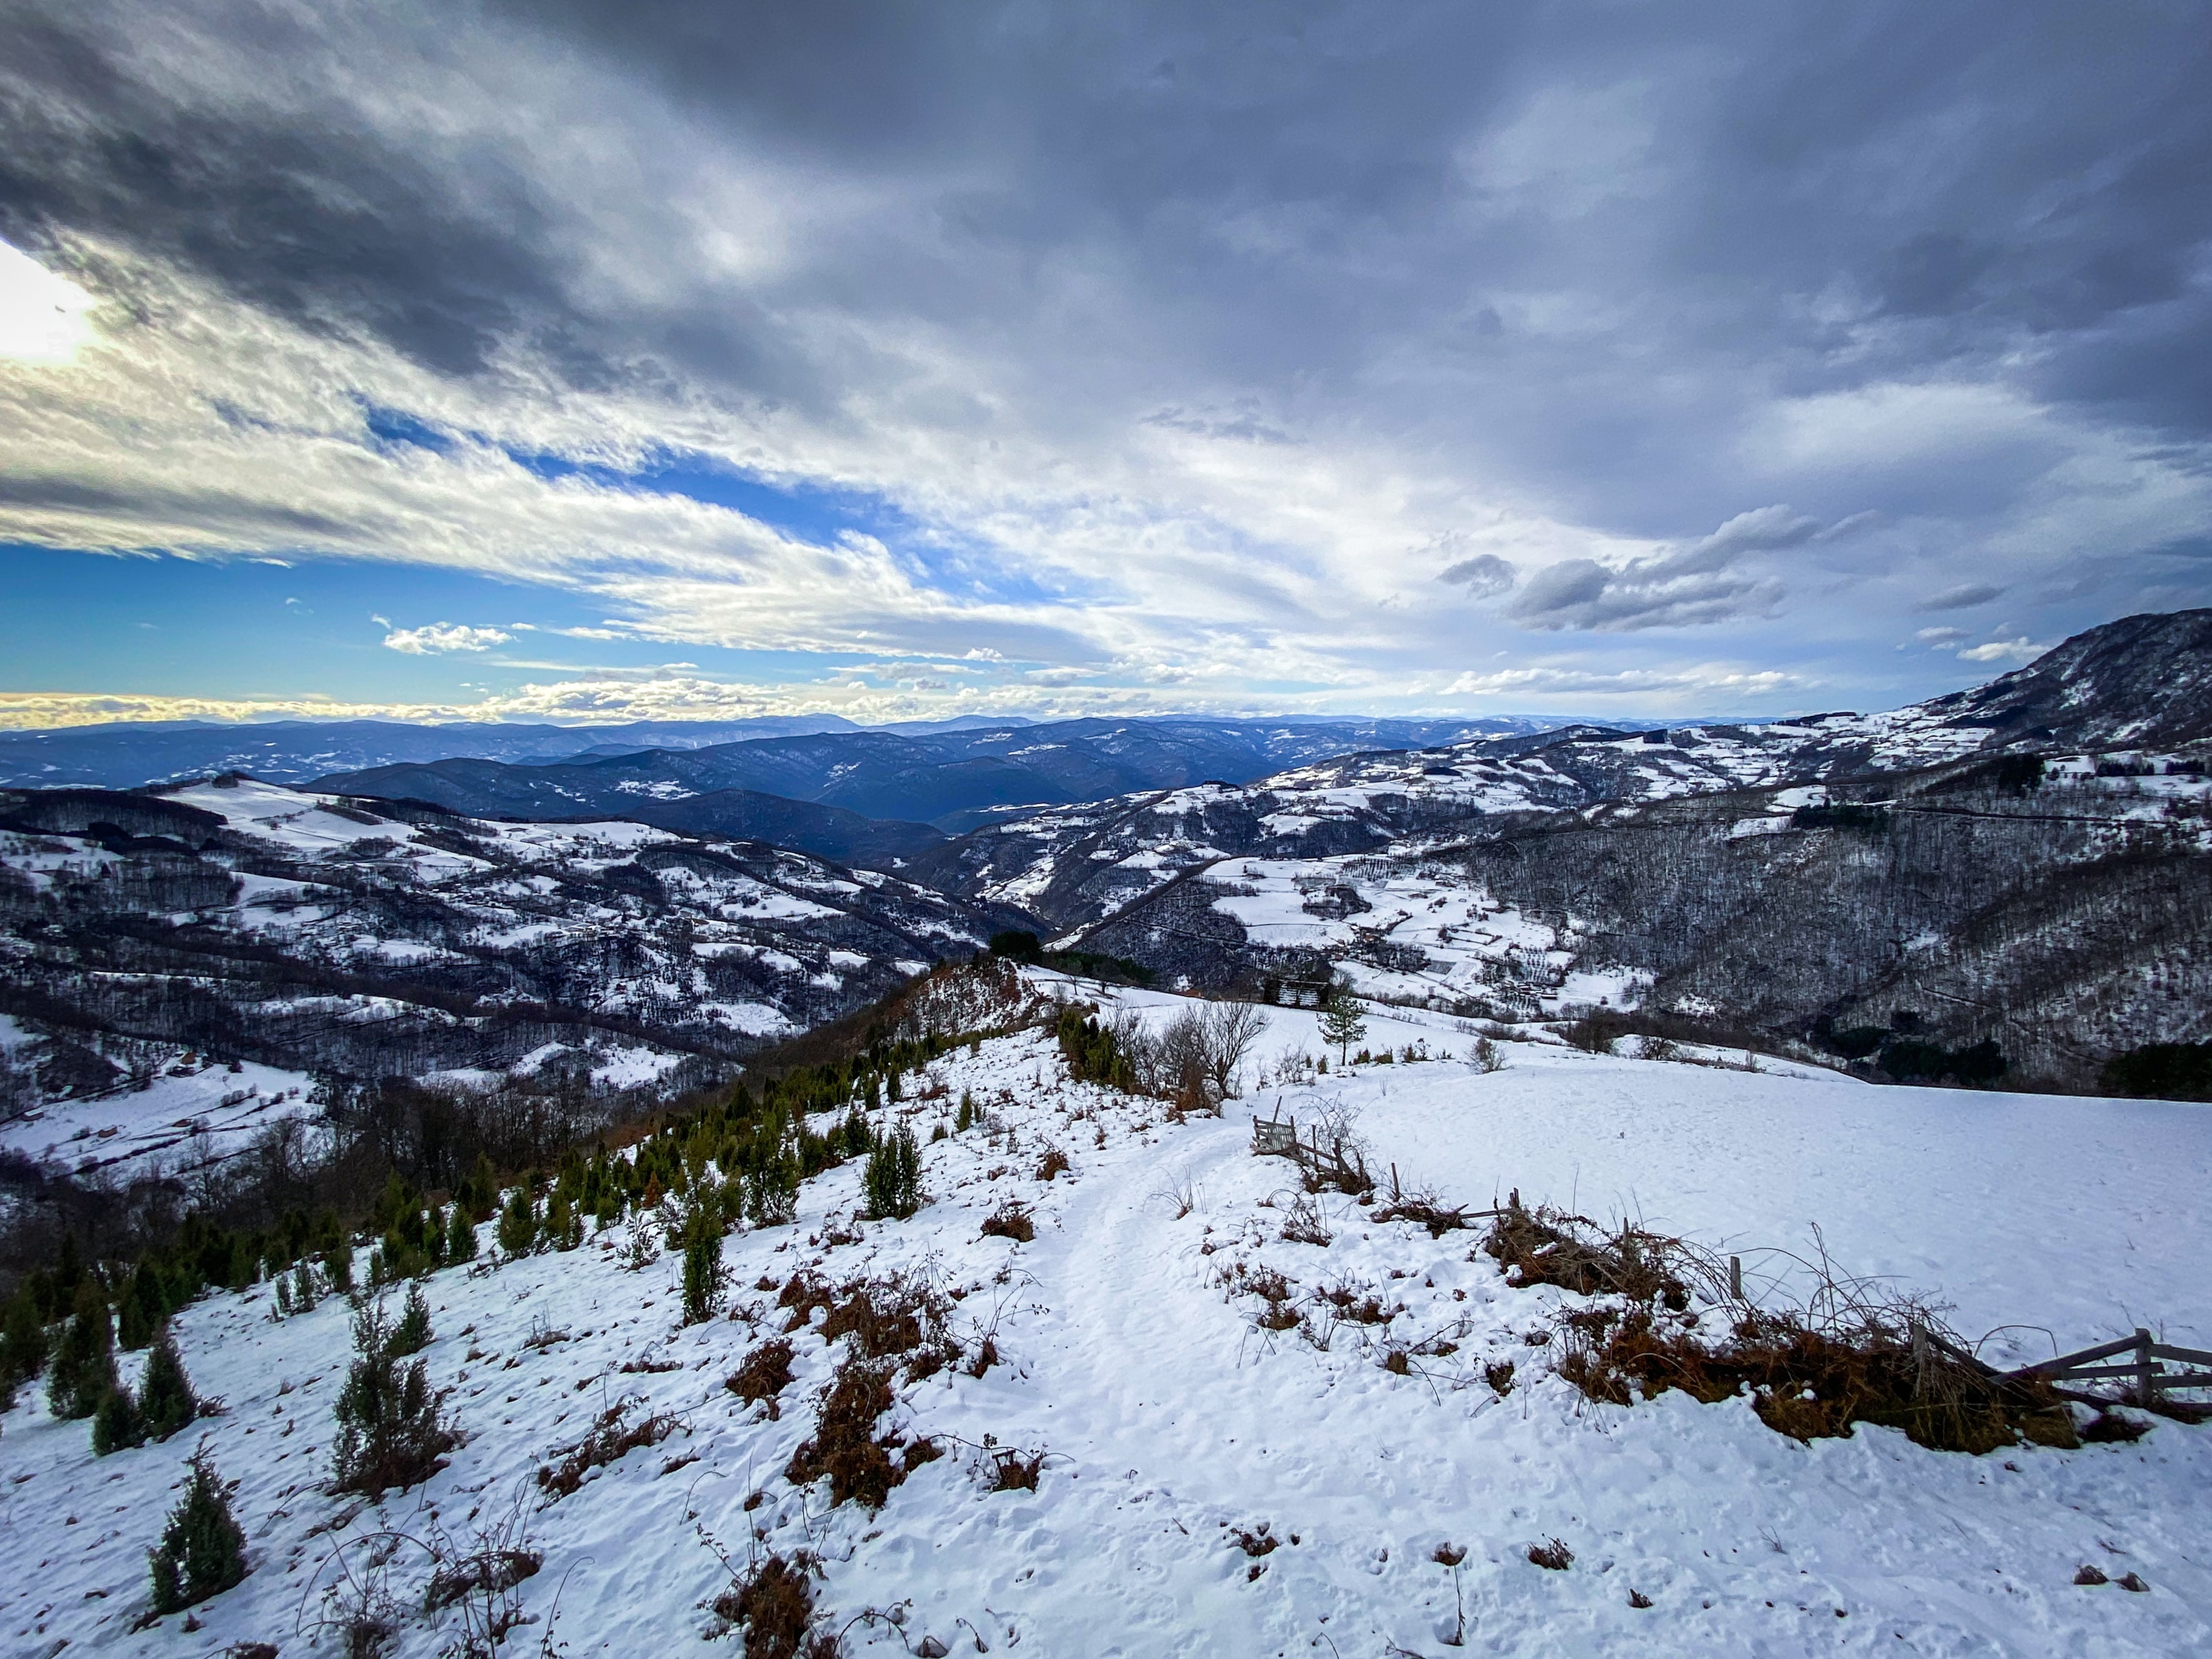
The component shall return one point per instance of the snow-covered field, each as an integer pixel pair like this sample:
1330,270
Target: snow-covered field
129,1130
1171,1421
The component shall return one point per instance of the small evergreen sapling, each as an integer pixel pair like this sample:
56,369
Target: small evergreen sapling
203,1549
772,1191
166,1400
83,1372
413,1334
893,1178
1341,1020
118,1424
22,1343
518,1223
460,1235
390,1430
141,1308
705,1278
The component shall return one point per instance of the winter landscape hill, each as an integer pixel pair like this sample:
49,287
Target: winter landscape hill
1117,1385
2019,867
1494,1194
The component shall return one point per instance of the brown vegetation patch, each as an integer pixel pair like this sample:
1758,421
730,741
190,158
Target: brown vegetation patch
1552,1555
765,1373
609,1440
1548,1247
844,1445
1012,1220
802,1293
898,1314
1054,1162
775,1604
1810,1383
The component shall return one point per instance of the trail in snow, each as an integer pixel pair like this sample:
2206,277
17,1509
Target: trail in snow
1167,1413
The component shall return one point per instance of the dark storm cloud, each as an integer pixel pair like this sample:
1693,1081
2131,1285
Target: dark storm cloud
1628,270
1980,176
1483,576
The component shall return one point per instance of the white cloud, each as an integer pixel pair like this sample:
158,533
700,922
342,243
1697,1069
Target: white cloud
45,318
440,637
2015,651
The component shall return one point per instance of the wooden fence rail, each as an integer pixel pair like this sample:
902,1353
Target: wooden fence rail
2142,1368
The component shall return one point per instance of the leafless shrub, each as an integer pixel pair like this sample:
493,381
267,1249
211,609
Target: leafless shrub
1231,1030
1054,1162
351,1592
607,1440
1486,1057
1304,1223
1181,1193
1424,1208
1851,1350
1013,1220
900,1315
1544,1246
483,1579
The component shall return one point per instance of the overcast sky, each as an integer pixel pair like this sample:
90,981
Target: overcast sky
682,357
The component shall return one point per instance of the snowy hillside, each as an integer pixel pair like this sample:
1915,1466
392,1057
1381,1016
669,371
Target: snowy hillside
249,921
1209,1484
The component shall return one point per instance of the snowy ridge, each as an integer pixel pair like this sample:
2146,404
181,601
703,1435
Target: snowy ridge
1171,1422
312,933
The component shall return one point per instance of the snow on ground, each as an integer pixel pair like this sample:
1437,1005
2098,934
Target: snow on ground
1170,1420
126,1130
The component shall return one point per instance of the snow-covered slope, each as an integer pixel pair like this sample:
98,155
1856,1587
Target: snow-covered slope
251,921
1171,1424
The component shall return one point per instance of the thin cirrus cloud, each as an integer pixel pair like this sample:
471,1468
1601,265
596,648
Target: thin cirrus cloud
1276,359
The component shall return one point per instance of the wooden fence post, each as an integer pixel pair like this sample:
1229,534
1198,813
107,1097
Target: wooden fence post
1736,1277
2144,1381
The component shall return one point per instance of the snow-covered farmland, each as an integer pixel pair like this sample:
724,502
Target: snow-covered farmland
1172,1424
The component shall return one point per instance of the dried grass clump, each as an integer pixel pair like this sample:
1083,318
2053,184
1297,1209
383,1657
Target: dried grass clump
765,1373
1054,1162
1012,1220
774,1602
845,1447
610,1439
898,1315
1425,1209
1890,1367
1552,1555
1545,1246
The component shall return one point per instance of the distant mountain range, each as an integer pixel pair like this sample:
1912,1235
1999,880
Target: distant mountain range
2022,873
949,781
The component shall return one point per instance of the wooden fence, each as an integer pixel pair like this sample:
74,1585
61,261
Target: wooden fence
2142,1371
